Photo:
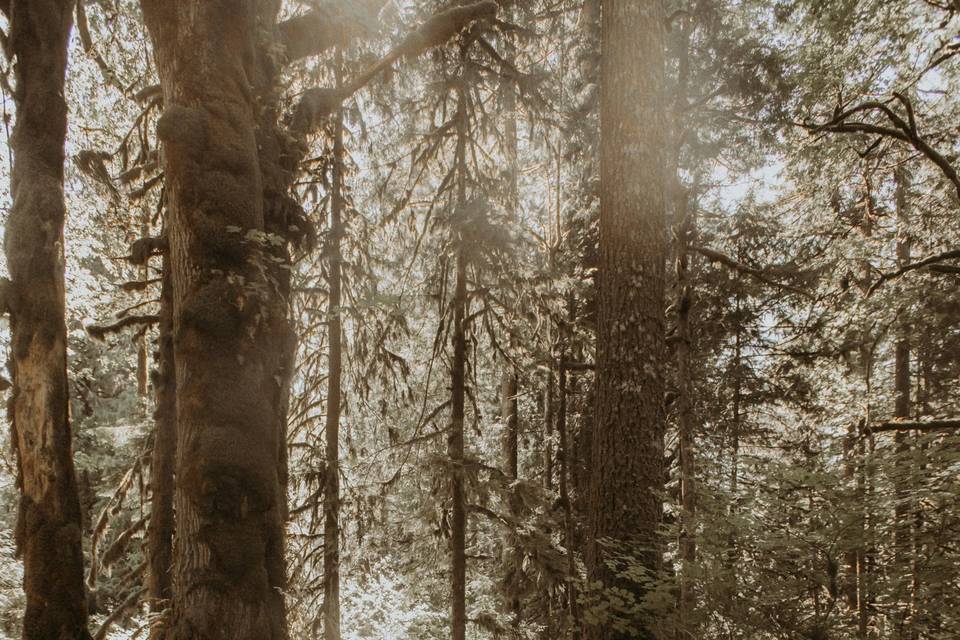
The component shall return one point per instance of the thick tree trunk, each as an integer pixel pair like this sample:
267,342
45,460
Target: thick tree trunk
627,452
229,319
161,528
331,492
49,520
455,446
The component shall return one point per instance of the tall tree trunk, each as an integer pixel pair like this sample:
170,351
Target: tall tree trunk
455,450
903,532
331,493
627,452
49,520
229,320
161,528
510,383
686,419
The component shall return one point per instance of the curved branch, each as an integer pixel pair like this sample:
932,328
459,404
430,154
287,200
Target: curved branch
914,266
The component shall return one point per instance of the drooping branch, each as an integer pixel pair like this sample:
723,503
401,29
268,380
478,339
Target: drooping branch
318,103
898,128
759,274
100,332
931,261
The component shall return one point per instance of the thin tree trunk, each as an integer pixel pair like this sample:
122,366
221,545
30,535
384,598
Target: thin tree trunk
564,457
49,521
510,384
161,528
903,532
455,450
331,499
627,452
229,321
686,418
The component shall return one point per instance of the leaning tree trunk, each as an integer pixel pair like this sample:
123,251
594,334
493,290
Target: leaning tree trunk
229,319
49,521
627,449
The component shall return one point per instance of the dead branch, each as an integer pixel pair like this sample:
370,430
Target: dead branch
122,608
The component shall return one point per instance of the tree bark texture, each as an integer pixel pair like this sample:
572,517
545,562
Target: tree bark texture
627,448
161,528
49,519
230,331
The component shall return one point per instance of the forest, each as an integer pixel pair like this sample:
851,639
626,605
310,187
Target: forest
480,319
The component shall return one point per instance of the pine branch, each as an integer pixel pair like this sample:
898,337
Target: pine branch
759,274
914,266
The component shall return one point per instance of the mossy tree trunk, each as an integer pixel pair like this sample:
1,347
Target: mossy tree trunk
49,521
230,331
627,448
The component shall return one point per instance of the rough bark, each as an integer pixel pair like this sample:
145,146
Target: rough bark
627,448
229,317
161,528
49,520
331,492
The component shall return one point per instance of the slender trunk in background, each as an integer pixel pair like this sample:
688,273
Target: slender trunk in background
49,520
144,273
865,495
627,452
455,448
331,491
548,417
686,418
510,383
564,457
903,531
161,528
229,318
